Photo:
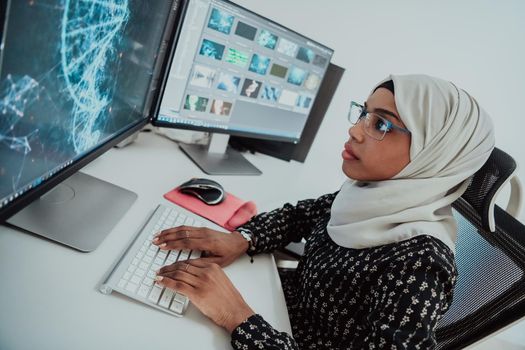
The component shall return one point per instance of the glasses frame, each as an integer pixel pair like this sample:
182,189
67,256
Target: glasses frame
366,115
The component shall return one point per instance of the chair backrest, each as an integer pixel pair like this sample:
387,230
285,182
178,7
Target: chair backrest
490,290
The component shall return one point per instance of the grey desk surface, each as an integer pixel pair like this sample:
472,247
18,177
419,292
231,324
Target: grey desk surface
48,297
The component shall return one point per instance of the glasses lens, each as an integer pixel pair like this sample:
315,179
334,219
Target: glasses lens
355,113
376,127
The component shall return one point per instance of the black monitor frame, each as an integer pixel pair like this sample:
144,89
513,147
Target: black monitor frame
150,105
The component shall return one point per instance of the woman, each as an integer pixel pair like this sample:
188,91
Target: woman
378,269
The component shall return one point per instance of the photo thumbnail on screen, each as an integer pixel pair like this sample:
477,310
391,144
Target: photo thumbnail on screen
267,39
220,107
212,49
221,21
287,47
203,76
251,88
228,82
259,64
270,93
237,57
246,31
196,103
296,76
306,55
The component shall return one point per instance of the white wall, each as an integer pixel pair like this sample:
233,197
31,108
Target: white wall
479,45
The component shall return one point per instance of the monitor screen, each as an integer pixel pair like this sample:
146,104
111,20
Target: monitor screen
74,75
239,73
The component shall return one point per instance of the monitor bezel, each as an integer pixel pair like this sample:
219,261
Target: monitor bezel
31,195
165,75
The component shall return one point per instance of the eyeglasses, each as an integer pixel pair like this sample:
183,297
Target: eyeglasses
376,126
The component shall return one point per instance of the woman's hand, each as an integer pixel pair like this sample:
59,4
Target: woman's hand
209,289
217,247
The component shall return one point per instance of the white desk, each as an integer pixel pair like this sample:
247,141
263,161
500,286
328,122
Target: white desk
48,292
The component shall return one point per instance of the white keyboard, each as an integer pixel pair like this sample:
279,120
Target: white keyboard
134,274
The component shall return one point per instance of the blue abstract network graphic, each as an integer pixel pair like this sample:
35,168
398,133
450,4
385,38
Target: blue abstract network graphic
90,30
16,94
87,37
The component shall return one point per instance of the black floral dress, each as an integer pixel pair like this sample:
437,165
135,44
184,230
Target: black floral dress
386,297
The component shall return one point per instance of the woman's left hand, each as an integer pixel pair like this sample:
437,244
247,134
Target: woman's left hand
209,289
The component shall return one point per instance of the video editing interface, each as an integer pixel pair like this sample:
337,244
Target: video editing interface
235,71
73,74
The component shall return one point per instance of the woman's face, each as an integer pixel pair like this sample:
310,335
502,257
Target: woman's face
367,159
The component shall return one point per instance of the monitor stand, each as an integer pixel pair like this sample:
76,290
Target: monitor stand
218,158
79,212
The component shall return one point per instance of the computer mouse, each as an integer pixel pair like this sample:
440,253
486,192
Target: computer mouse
208,191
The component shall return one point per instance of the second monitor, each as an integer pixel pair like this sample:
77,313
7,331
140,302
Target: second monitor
233,72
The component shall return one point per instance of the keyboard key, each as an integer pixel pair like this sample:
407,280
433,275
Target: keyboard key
122,283
184,255
131,287
180,298
155,294
153,248
173,254
165,300
127,276
136,279
140,272
195,254
143,291
177,307
148,281
188,221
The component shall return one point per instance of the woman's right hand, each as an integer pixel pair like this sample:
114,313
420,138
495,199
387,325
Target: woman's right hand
217,247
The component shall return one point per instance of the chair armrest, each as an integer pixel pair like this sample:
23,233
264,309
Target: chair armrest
516,196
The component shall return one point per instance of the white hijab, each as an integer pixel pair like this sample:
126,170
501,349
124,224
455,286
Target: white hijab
452,137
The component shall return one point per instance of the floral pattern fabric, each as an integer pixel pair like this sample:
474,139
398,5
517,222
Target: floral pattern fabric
385,297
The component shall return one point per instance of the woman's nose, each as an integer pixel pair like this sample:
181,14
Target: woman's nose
356,132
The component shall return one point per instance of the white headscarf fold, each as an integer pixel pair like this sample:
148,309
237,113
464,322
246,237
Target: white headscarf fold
452,137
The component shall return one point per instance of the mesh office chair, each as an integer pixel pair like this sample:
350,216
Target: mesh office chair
490,258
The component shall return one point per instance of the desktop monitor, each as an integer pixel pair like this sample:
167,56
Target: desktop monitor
75,79
234,72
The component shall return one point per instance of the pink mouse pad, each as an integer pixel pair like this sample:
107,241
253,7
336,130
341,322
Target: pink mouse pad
230,213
